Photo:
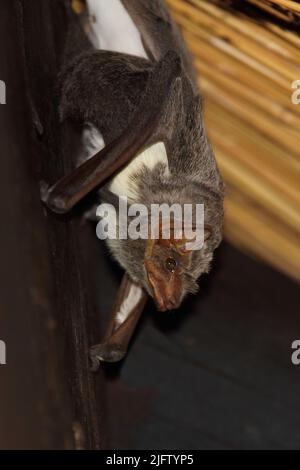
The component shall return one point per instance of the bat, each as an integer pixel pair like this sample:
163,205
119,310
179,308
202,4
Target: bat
141,100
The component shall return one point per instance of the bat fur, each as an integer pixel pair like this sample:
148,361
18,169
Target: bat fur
104,88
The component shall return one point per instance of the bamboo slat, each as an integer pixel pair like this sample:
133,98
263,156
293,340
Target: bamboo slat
247,27
287,5
247,59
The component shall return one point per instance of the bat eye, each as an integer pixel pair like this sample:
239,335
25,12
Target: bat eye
171,264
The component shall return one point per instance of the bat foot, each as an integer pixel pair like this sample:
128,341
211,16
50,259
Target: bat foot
105,353
44,190
55,204
94,363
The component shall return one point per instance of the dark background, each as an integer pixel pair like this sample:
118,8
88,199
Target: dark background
217,373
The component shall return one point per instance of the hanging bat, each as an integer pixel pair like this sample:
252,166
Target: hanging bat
139,95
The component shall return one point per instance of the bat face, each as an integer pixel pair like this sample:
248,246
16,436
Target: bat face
167,275
163,266
169,268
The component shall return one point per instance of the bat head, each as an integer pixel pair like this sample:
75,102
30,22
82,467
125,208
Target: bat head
168,266
166,269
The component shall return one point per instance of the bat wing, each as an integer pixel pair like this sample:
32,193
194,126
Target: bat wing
160,33
127,310
153,120
103,88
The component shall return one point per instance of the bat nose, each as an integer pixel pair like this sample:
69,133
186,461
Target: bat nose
166,289
172,303
167,303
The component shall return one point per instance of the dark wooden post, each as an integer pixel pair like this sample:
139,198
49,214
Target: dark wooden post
48,397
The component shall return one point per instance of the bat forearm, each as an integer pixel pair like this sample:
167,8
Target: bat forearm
129,306
91,174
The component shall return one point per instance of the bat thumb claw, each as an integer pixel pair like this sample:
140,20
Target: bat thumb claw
106,353
56,204
44,189
94,363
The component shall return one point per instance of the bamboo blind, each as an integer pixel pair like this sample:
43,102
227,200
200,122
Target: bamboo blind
246,64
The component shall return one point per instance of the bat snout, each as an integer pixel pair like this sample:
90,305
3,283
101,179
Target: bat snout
167,304
166,289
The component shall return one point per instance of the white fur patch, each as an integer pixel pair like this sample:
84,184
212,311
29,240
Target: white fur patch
113,28
121,184
131,301
92,140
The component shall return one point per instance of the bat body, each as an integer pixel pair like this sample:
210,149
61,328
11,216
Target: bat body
140,99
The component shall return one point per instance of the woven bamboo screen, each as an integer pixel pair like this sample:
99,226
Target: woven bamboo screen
247,54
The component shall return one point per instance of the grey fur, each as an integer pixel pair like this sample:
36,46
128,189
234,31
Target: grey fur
105,88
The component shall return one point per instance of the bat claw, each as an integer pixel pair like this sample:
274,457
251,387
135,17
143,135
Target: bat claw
44,190
55,204
106,353
95,363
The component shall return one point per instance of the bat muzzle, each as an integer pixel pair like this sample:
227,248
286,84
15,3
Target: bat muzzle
166,289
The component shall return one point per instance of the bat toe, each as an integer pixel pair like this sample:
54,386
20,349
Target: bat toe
106,353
